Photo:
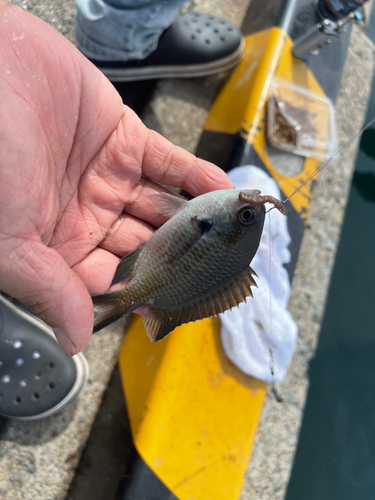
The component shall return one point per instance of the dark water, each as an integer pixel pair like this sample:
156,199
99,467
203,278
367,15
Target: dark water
335,457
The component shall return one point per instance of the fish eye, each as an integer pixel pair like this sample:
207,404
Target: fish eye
246,216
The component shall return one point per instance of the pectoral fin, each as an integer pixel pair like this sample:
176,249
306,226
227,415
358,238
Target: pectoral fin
167,204
189,238
164,321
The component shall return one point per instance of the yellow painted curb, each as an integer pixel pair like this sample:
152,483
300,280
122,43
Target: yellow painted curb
193,414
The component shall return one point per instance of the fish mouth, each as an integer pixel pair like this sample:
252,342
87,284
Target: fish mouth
256,198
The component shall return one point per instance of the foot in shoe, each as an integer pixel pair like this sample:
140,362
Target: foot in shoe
194,45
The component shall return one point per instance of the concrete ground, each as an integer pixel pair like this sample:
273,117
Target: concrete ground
38,459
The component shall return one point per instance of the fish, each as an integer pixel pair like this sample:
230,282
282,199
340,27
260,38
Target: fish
196,265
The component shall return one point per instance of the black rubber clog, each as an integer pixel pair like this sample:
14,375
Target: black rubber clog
37,377
194,45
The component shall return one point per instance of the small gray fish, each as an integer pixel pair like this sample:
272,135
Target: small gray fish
194,266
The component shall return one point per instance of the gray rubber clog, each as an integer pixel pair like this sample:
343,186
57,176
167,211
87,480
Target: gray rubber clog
194,45
37,377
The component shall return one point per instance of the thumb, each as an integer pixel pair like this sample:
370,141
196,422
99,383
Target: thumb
40,278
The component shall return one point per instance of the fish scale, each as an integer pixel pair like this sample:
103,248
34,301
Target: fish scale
194,266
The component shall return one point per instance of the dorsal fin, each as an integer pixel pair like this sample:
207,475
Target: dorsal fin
164,320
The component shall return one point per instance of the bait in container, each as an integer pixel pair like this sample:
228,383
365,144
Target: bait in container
300,121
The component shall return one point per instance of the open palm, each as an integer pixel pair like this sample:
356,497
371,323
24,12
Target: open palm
73,160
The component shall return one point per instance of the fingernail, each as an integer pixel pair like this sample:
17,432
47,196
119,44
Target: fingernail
65,341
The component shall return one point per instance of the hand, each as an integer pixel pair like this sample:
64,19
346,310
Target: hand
73,160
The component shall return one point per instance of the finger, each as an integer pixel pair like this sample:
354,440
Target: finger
132,153
40,278
97,270
171,165
126,234
140,205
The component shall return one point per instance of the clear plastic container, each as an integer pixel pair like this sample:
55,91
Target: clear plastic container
300,121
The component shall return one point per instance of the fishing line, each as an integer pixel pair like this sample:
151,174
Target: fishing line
278,398
325,163
270,297
344,468
309,178
311,431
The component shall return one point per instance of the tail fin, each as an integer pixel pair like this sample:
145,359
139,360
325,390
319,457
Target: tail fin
108,308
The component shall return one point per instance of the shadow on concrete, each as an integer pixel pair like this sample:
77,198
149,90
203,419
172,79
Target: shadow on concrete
136,94
31,433
108,448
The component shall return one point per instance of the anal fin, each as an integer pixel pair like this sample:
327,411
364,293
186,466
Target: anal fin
164,321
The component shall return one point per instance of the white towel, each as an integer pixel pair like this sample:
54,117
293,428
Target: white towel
263,323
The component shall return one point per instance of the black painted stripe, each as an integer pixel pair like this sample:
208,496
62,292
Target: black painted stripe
141,483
